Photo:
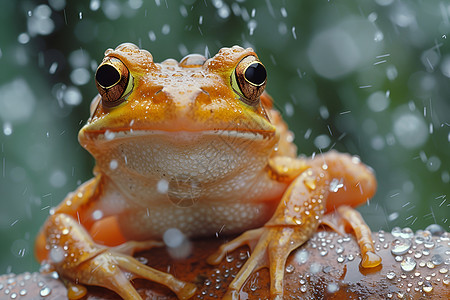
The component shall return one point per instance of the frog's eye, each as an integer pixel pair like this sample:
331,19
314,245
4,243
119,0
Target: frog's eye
249,79
114,81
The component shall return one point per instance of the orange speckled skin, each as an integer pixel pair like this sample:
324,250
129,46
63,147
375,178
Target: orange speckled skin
182,150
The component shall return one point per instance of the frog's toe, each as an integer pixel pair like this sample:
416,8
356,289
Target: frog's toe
183,290
247,238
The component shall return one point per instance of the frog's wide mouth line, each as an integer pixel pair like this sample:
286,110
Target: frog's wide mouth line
109,135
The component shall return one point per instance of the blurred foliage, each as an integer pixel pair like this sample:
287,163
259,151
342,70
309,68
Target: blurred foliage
366,77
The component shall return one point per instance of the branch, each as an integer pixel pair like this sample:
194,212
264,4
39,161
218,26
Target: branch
327,266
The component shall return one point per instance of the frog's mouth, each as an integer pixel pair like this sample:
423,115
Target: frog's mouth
109,135
207,155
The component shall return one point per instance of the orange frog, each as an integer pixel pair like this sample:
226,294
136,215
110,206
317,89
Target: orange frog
194,145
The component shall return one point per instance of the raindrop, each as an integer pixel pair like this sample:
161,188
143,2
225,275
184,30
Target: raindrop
72,96
165,29
437,259
53,68
57,4
378,101
335,185
282,28
433,164
403,16
97,214
162,186
400,246
290,268
323,111
45,291
57,255
223,11
445,66
79,58
408,264
58,178
435,229
80,76
94,5
378,36
322,141
332,287
7,128
372,17
390,275
283,12
112,9
152,36
333,53
252,24
173,238
113,164
135,4
23,38
315,268
301,256
184,12
410,130
23,105
427,286
289,109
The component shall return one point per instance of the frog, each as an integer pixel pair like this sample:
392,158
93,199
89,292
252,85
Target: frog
197,146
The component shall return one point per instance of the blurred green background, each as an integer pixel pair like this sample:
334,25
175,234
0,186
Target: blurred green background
366,77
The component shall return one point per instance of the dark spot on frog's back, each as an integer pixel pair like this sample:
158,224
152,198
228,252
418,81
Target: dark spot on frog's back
192,61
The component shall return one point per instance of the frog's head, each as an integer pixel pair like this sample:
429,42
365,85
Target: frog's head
173,117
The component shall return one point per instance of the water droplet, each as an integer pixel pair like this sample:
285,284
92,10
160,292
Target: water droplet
322,141
437,259
336,184
72,96
57,254
427,287
301,256
422,236
332,287
323,252
410,129
45,291
390,275
408,264
400,246
378,101
290,268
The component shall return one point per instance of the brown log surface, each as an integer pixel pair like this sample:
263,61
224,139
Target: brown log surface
326,267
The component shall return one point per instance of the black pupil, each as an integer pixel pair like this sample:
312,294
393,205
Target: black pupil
107,76
256,73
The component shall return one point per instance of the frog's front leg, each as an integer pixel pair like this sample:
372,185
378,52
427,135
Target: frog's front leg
77,258
294,221
332,177
65,243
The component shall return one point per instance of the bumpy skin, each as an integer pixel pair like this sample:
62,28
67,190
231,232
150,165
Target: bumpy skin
192,145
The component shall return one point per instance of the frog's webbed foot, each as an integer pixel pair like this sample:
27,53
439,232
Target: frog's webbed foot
76,257
294,221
